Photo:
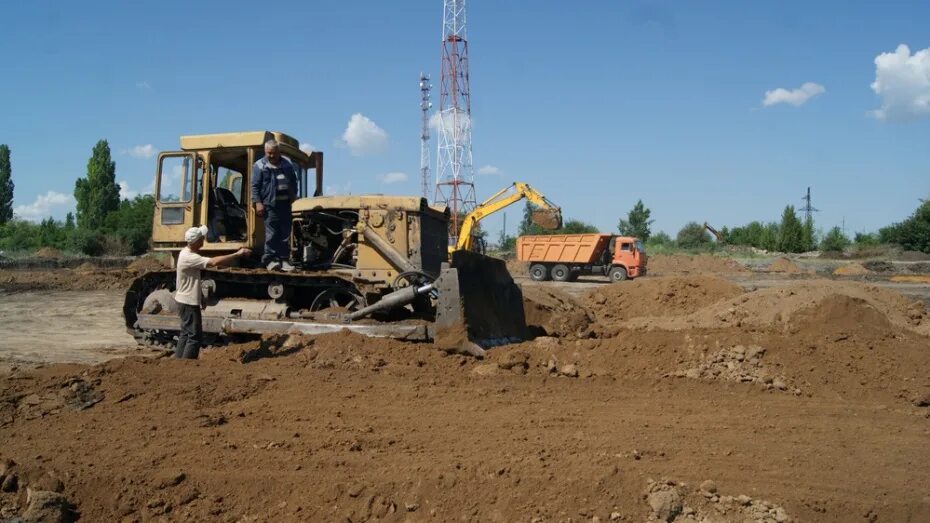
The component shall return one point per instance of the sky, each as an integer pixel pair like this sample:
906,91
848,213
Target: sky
717,111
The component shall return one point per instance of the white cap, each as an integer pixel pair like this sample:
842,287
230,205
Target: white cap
195,233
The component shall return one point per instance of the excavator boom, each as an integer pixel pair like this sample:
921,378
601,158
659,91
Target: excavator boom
547,215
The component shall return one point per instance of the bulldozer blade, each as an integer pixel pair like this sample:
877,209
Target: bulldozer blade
547,219
478,302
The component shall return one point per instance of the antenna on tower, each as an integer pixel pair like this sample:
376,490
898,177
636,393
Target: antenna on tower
425,106
808,208
455,177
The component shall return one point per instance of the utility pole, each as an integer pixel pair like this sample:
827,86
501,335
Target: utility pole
425,106
455,176
808,208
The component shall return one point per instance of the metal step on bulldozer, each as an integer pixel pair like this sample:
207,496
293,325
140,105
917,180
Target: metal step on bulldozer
373,264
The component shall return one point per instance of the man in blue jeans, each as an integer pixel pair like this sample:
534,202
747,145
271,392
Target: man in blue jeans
274,188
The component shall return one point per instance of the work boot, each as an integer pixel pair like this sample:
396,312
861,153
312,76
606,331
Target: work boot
287,267
274,265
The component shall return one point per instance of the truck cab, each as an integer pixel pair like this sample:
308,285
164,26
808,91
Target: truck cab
627,253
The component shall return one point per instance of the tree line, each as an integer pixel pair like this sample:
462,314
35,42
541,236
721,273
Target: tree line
102,224
791,234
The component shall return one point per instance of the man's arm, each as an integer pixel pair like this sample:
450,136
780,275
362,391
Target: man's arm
256,190
227,259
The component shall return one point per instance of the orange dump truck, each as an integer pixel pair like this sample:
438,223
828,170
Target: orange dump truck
563,257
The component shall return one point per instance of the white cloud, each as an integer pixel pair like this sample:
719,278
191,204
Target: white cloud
902,81
125,193
489,169
392,177
451,120
307,148
43,206
142,151
363,136
795,97
144,85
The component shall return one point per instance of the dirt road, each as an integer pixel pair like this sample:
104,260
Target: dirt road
63,326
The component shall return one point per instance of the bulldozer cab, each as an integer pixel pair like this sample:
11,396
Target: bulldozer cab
207,182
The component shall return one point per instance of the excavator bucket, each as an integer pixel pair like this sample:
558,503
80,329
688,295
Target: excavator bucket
479,301
546,218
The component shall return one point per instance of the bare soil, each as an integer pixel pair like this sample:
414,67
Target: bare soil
682,398
664,264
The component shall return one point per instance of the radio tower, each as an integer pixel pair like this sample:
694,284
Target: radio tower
455,177
425,106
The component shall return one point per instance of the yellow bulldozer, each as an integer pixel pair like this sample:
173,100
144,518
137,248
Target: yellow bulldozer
373,264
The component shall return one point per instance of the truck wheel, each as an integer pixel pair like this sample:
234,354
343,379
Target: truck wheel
617,274
560,273
538,272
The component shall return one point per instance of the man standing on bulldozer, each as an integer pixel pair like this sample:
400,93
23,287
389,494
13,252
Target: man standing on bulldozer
274,188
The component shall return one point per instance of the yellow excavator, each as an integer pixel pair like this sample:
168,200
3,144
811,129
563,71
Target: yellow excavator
547,215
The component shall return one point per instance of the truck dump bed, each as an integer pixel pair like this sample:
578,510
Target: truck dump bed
562,248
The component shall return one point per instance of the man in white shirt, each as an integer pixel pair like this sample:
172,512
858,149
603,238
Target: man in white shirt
187,290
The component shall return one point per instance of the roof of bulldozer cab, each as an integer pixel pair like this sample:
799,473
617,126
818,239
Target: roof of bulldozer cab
242,139
367,201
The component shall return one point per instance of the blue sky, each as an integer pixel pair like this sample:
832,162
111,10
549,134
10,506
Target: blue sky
596,103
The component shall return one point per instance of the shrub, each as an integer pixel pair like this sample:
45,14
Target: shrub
692,235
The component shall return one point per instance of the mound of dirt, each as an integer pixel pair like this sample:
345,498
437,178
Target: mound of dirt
913,256
86,267
83,278
659,296
852,269
702,263
148,263
50,253
516,267
785,266
779,307
551,312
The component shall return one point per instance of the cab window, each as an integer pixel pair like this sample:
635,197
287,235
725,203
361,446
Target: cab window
175,182
626,247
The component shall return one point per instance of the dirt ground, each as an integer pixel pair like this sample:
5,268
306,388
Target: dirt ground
723,396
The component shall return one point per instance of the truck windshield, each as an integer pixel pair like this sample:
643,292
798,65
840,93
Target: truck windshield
639,246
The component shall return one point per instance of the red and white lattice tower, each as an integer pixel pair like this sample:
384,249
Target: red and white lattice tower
455,177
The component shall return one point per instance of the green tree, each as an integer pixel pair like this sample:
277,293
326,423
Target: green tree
69,221
131,223
660,238
637,222
692,235
790,232
834,240
809,240
98,194
575,227
913,233
6,185
866,239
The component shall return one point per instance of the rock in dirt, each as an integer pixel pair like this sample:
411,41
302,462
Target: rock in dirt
569,371
709,486
10,483
664,499
47,482
169,478
44,506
